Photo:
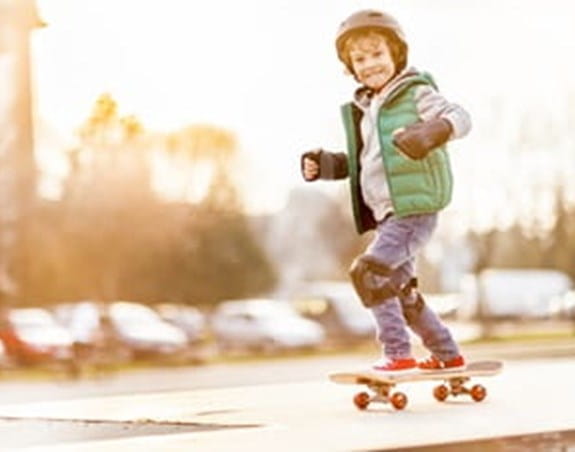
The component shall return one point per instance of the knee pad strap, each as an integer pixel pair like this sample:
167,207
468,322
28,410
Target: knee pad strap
411,311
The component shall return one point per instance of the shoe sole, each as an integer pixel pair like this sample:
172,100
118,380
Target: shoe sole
391,373
447,369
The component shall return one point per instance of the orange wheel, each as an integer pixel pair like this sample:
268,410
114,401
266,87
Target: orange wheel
361,400
440,392
478,393
399,400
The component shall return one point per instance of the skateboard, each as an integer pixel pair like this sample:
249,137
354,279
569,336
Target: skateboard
454,383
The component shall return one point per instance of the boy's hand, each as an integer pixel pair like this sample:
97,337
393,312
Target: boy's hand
416,140
310,165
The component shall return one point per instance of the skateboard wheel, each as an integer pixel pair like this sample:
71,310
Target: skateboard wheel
440,392
478,393
361,400
398,400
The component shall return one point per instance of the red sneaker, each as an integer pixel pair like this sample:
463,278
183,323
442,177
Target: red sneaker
433,363
395,366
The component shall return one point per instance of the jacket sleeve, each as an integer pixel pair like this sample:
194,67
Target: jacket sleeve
333,165
431,104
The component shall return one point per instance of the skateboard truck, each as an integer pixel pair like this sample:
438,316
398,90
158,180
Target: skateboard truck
456,386
382,394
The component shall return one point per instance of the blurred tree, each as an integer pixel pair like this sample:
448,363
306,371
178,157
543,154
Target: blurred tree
229,261
203,142
559,252
112,237
208,253
521,247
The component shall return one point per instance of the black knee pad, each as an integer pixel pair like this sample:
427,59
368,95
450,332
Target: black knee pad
411,309
371,281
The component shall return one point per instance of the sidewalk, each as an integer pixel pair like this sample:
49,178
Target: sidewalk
313,416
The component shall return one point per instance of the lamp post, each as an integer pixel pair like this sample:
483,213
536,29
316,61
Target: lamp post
18,18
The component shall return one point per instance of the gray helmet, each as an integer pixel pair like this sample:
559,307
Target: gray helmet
375,20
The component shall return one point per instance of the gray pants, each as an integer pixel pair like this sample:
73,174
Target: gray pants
396,244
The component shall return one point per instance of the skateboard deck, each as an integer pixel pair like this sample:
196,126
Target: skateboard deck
453,383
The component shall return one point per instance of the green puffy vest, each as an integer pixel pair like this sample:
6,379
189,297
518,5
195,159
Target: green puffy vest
415,186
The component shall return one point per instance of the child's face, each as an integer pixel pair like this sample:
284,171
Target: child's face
372,61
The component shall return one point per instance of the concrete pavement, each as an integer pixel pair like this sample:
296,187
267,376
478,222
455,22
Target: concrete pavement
528,397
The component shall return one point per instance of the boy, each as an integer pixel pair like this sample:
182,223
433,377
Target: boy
396,127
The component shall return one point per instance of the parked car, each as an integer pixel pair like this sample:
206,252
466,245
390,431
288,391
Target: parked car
337,307
145,332
32,336
120,330
4,358
512,293
264,325
188,318
563,306
81,319
96,341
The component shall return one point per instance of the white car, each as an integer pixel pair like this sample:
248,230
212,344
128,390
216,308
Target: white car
188,318
82,319
264,324
512,293
563,306
144,331
36,337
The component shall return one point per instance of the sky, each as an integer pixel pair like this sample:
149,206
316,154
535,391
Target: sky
267,70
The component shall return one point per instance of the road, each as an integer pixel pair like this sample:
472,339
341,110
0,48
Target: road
234,374
283,405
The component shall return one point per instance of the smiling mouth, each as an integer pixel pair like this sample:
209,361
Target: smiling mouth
375,73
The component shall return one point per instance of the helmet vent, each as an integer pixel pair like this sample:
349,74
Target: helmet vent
375,14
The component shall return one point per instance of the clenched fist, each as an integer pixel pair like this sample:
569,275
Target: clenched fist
310,165
417,140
